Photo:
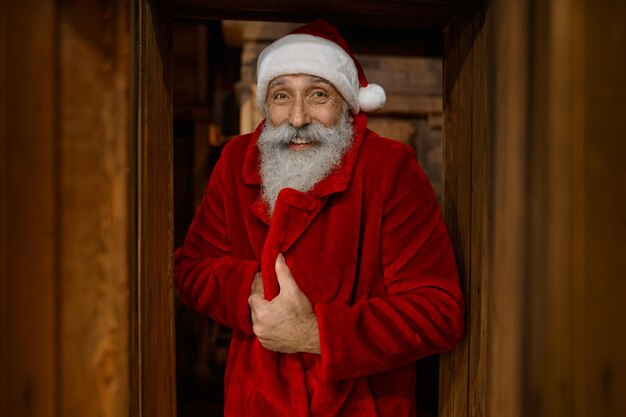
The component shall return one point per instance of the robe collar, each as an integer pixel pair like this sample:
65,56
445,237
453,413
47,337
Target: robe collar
335,182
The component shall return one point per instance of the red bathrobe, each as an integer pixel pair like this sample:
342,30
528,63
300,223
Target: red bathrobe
369,248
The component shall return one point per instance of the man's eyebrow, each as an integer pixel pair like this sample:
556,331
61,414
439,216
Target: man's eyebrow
276,82
320,80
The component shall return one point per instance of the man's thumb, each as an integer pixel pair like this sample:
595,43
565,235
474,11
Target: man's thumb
283,274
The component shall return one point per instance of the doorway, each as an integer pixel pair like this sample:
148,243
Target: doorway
214,78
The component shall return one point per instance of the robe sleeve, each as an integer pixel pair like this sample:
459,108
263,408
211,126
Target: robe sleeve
208,278
423,310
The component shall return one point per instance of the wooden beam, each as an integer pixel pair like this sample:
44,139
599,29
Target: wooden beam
468,175
152,300
374,14
28,272
481,252
549,366
78,224
599,208
4,311
94,210
457,154
65,208
506,289
575,341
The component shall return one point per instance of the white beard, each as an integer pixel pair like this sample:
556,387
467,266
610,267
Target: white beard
282,167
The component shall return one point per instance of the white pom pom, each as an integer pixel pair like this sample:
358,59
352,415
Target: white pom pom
372,97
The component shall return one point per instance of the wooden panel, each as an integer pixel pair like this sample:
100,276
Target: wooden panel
94,216
549,367
4,311
29,198
506,303
457,150
576,343
468,159
601,214
481,250
557,324
67,211
153,367
600,209
372,13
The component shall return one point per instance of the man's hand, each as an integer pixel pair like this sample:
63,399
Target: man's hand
286,324
257,285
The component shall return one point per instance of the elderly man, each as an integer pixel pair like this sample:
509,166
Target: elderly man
322,246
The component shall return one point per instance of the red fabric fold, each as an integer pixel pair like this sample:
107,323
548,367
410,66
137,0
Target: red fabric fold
368,247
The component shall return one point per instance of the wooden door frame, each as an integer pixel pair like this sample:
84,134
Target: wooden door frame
468,173
531,105
152,333
468,158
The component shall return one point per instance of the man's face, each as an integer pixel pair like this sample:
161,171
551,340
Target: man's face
309,130
301,99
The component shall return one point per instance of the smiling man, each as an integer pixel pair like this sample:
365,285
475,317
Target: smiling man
322,246
309,128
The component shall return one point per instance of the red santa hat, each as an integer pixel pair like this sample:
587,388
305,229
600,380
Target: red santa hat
318,49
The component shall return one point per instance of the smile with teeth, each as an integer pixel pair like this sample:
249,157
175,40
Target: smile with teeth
300,141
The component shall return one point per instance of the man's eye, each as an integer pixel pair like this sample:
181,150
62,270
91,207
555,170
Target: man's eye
319,94
280,96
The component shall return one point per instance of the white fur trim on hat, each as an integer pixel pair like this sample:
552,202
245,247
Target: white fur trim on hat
308,54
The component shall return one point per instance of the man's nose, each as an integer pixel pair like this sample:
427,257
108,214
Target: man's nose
299,115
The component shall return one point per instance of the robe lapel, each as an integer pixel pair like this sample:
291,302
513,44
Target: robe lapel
294,210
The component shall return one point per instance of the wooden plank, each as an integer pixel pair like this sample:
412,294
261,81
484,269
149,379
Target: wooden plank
510,111
481,200
548,373
433,14
581,405
468,153
29,275
4,238
152,296
397,41
559,247
457,148
599,209
94,191
67,194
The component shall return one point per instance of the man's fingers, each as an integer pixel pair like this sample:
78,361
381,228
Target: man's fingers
257,284
256,301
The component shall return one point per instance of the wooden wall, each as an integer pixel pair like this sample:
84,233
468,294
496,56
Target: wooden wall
85,209
509,111
599,209
29,258
468,174
557,345
533,104
152,316
576,344
66,209
535,183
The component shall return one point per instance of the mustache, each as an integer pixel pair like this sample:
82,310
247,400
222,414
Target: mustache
285,133
281,167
